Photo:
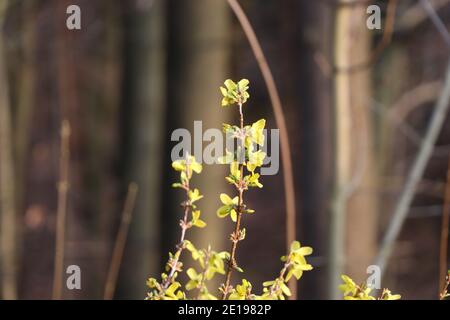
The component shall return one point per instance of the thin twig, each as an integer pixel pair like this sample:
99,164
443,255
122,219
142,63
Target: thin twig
274,288
414,16
422,158
406,129
63,187
288,174
414,98
121,239
443,267
438,23
415,175
202,283
174,264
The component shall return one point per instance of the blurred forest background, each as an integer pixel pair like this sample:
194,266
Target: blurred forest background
358,105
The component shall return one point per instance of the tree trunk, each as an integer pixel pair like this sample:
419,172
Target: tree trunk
352,251
7,182
144,112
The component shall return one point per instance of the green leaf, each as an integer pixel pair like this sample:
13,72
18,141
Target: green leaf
152,283
253,179
255,159
196,215
197,167
285,289
226,200
242,234
295,246
305,251
268,283
239,269
234,170
230,84
199,223
234,93
233,215
172,288
306,267
243,85
179,165
223,211
297,273
184,178
177,185
257,132
192,274
194,195
192,284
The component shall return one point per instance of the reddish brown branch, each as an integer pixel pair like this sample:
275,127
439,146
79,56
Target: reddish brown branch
288,173
121,240
444,235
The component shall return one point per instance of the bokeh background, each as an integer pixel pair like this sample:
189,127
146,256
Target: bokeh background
138,69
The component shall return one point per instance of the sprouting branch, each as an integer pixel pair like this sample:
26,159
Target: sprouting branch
235,237
288,173
174,264
168,287
121,239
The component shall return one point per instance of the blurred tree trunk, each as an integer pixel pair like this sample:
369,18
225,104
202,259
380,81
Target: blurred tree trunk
25,84
144,110
362,214
351,251
198,65
7,181
314,149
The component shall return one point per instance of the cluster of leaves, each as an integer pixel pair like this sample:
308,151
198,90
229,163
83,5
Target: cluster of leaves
169,288
243,165
210,263
294,265
352,291
235,93
445,294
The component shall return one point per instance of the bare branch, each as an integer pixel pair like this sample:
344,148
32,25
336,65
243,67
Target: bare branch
415,175
121,240
63,187
438,23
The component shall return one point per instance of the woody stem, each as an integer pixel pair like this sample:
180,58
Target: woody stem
235,235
